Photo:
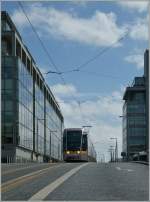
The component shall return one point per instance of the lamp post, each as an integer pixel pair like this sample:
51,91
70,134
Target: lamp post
112,153
51,131
38,119
102,158
116,148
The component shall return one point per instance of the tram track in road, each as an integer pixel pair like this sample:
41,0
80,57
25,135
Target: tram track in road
6,186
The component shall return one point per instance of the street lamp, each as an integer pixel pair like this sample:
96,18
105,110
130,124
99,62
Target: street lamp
103,157
51,131
38,119
112,153
116,148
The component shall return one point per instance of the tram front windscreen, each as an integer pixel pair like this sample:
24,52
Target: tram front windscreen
72,140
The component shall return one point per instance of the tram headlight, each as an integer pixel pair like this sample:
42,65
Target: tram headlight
78,152
68,152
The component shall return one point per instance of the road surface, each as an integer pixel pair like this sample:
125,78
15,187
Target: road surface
75,181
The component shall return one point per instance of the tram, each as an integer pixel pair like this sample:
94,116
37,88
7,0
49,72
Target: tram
77,145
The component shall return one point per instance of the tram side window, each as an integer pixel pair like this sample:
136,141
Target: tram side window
64,142
84,143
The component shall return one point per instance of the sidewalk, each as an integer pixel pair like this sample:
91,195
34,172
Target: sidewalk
142,162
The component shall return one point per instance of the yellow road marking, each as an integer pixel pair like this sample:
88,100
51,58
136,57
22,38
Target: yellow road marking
18,169
15,182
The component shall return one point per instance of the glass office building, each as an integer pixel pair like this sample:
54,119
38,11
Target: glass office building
134,118
32,122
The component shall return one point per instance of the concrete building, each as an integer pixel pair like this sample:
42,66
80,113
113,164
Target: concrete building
32,122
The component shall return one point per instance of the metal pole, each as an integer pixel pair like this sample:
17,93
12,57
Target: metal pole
50,146
81,142
116,151
37,135
58,150
111,155
66,140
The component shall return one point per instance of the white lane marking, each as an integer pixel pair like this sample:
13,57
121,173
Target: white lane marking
118,168
43,193
129,170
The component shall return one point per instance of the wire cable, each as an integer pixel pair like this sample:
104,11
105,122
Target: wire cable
102,52
35,32
80,66
49,56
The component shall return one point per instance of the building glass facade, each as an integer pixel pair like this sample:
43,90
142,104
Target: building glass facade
32,122
53,128
25,105
134,118
8,100
39,120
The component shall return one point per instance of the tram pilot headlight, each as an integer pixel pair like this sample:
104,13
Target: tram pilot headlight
68,152
78,152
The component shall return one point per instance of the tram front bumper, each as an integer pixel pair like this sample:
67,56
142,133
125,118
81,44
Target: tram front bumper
72,157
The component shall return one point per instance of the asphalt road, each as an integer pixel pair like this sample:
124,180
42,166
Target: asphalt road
76,181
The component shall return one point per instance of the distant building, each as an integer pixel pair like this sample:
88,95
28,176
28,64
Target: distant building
32,122
135,115
146,75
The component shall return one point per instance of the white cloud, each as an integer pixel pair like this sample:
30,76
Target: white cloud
101,29
82,3
139,30
137,59
64,90
139,6
102,113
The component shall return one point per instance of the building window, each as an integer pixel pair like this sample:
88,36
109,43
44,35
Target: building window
8,105
18,49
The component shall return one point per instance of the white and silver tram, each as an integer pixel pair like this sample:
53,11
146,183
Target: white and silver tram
77,146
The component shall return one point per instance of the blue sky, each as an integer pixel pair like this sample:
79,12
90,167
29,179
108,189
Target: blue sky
74,32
